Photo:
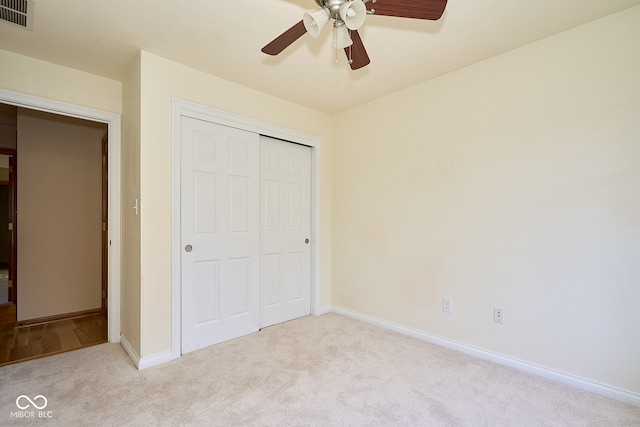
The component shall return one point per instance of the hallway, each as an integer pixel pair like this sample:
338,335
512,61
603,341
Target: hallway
20,343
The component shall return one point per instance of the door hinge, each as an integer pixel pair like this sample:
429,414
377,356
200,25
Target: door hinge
10,283
104,226
104,293
10,169
104,159
10,226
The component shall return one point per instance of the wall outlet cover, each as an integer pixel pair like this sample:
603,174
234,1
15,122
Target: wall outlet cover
447,305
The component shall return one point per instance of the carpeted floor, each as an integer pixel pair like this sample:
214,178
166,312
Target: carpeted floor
314,371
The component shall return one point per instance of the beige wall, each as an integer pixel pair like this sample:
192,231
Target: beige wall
514,182
31,76
59,214
130,267
161,80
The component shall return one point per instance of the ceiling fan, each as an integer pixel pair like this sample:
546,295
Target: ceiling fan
348,16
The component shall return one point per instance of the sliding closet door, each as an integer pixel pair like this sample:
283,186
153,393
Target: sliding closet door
285,255
219,233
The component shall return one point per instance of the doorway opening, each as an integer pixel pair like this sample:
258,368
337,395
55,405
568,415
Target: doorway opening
114,125
39,321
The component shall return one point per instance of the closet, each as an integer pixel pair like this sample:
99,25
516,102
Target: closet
245,228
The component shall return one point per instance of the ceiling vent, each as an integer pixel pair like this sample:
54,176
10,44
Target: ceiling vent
18,12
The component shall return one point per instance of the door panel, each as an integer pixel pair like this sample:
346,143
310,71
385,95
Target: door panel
207,288
285,230
219,211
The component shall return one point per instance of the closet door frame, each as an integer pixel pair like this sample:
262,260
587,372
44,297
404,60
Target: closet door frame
183,108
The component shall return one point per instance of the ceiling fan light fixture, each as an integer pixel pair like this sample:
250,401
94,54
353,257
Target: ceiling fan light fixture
353,13
341,37
349,16
315,21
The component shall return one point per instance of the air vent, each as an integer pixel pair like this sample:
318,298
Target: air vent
18,12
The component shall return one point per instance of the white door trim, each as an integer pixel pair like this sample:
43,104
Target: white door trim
180,108
113,121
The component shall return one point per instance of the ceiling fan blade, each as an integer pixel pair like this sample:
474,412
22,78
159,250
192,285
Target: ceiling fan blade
285,39
417,9
356,52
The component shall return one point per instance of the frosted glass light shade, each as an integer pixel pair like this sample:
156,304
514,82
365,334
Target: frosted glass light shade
341,37
315,21
353,13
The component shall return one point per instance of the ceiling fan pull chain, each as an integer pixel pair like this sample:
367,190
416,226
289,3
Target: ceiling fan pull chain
335,31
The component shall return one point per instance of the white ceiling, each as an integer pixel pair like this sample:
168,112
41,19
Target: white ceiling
224,38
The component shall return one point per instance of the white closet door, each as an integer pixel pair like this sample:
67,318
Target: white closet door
219,232
285,222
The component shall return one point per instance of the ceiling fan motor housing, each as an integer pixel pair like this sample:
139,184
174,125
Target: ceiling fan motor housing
333,6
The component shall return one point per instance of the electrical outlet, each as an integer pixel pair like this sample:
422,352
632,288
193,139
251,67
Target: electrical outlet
447,305
498,315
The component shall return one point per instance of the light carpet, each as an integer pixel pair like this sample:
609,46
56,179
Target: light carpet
314,371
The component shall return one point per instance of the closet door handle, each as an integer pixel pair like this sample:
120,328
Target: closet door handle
188,248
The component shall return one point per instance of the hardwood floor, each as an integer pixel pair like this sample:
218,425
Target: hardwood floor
30,342
7,315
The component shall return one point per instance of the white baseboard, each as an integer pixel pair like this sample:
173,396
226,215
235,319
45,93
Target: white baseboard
158,359
323,310
146,362
130,351
581,383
